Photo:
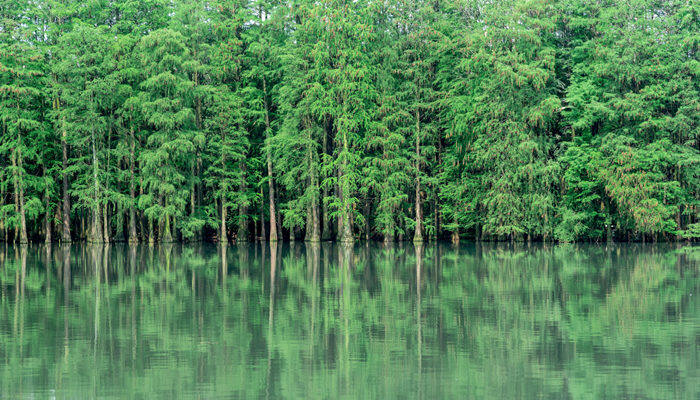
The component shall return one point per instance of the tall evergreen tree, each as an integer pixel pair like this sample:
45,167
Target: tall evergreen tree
166,158
21,126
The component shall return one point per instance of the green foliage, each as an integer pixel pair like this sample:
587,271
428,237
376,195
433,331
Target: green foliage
23,131
510,120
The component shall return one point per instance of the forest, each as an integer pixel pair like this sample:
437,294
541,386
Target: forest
235,120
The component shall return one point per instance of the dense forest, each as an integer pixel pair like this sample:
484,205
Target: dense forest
167,120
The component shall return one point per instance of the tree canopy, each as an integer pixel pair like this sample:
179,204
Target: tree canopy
390,120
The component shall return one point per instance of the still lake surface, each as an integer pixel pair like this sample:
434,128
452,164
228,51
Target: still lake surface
330,321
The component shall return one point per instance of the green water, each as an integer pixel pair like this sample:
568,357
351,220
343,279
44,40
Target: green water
367,322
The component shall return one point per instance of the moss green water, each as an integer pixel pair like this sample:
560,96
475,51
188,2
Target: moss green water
328,321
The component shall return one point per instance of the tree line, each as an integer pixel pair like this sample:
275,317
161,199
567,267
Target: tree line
167,120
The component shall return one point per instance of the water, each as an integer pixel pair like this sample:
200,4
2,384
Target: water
327,321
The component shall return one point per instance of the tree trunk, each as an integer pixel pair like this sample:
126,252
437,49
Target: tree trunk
47,210
679,225
132,190
436,218
313,227
197,235
96,231
418,235
270,179
83,229
345,223
151,235
3,228
242,210
224,236
344,229
105,216
15,185
263,234
338,218
436,202
65,234
309,222
167,236
255,230
389,237
105,206
198,192
19,186
315,223
193,208
95,235
326,228
367,212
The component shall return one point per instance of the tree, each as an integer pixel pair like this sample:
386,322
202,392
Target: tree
345,37
630,103
21,128
81,67
186,120
503,112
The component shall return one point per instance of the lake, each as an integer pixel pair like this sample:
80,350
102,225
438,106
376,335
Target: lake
298,321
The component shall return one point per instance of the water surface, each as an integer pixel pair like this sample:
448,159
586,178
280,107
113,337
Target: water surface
329,321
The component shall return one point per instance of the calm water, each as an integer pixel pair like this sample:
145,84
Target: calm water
326,321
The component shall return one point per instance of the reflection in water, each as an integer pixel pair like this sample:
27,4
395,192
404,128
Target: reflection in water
364,321
270,317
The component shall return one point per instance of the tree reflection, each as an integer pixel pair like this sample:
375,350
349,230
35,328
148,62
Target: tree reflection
326,320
